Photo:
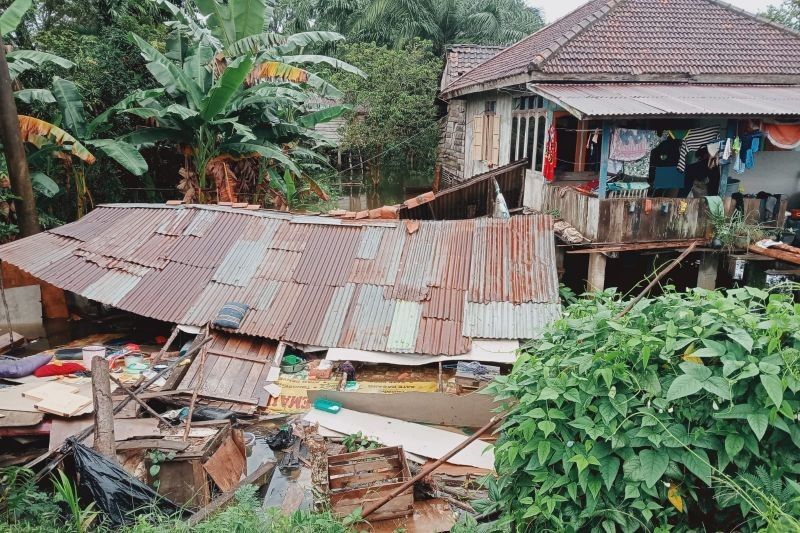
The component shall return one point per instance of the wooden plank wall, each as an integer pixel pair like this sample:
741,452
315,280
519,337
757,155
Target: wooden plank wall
578,209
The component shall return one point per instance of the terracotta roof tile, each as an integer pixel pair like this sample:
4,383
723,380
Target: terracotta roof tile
631,38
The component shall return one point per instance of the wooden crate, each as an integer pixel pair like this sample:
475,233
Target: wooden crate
360,478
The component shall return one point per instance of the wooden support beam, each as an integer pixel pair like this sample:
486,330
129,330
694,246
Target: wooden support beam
605,150
596,278
707,273
103,409
774,253
580,145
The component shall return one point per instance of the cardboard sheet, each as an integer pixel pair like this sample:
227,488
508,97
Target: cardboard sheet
414,438
124,429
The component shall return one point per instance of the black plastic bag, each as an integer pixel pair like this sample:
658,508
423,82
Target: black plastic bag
280,440
115,492
201,414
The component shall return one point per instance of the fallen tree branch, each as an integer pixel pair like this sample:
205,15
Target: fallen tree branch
675,262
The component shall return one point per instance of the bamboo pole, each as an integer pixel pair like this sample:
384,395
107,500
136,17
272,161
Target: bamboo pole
197,387
428,469
136,399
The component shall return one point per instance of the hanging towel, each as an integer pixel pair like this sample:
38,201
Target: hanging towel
631,145
550,154
785,136
726,152
695,139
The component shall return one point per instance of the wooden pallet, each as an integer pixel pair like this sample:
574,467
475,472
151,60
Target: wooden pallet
359,478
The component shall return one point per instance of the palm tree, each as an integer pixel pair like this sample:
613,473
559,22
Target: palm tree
445,22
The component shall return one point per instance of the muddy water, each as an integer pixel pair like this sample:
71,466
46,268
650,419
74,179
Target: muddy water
289,489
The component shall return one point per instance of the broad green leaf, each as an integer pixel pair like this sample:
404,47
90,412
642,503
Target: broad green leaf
684,385
697,371
197,67
696,460
101,121
225,87
23,60
547,427
123,153
543,451
172,78
323,115
548,394
30,96
609,467
70,103
298,41
719,386
271,152
774,388
742,337
733,445
248,17
219,20
317,59
654,464
149,136
758,423
44,184
12,15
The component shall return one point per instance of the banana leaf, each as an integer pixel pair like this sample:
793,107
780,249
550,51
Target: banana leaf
38,132
226,87
30,96
11,17
71,105
172,78
123,153
44,184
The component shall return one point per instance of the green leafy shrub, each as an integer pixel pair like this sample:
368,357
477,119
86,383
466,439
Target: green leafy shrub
669,418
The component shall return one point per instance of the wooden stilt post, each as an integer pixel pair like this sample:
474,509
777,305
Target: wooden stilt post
596,279
707,273
103,409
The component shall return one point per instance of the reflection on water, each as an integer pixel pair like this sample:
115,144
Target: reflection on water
396,186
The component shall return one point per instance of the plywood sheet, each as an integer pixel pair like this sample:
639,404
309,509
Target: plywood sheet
227,464
124,429
415,438
469,410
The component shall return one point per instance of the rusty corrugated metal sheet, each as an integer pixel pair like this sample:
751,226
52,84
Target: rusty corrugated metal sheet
672,99
426,288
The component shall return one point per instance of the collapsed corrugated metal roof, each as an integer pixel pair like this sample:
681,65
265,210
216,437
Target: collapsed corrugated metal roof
365,285
672,99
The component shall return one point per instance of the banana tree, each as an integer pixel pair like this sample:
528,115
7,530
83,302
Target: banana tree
68,145
233,94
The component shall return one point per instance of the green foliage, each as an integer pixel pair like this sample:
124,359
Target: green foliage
25,509
355,442
657,420
786,13
398,99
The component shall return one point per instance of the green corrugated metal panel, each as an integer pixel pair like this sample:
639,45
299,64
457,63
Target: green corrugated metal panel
405,322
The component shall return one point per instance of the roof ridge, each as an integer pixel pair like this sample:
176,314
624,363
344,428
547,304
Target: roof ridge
579,27
511,47
756,17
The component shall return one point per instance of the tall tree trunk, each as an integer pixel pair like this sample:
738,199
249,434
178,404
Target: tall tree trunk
15,153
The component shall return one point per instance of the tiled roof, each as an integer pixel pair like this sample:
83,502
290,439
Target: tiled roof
647,40
424,287
461,58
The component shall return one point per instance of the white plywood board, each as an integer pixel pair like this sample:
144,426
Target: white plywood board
414,438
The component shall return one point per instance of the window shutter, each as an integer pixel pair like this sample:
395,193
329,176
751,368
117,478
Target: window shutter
477,137
495,158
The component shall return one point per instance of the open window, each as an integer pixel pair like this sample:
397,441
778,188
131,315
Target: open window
527,130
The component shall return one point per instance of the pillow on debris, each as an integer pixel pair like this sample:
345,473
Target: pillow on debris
19,368
231,315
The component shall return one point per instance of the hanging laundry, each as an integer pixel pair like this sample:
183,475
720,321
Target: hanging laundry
614,167
755,143
713,149
785,136
631,145
726,152
738,164
694,139
550,154
640,168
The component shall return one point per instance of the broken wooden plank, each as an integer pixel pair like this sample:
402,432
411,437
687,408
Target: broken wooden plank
258,478
226,464
152,444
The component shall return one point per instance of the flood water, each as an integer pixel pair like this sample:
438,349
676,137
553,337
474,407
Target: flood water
357,192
